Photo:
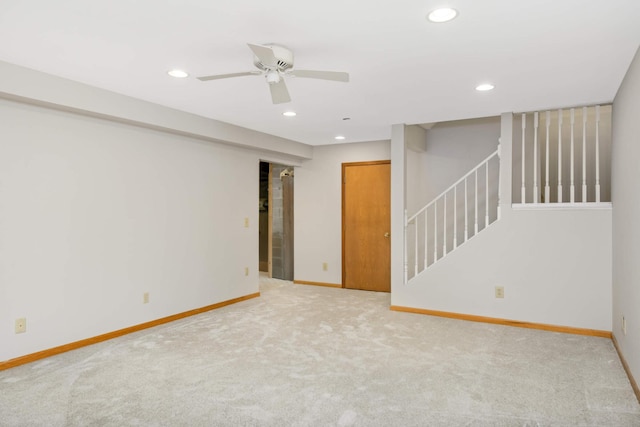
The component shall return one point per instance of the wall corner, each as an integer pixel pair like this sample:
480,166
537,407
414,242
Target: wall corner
398,203
505,147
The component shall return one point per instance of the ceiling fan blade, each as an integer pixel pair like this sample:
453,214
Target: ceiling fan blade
337,76
279,92
226,76
265,54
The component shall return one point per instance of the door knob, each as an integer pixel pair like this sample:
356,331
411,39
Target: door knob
387,234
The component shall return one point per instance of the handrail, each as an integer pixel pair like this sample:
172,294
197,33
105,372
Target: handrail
428,205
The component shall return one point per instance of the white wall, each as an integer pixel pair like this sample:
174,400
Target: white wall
453,149
626,214
555,267
416,143
94,213
318,208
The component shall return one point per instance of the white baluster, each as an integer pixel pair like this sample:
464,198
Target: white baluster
536,195
426,235
597,154
415,247
455,217
560,156
499,202
466,219
572,191
444,226
406,261
584,154
475,229
523,191
547,189
486,196
435,231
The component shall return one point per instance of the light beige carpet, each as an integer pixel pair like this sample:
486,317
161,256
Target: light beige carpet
313,356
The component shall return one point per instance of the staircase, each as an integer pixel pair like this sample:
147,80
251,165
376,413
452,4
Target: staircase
460,212
560,160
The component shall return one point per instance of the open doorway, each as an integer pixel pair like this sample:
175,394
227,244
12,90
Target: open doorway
276,220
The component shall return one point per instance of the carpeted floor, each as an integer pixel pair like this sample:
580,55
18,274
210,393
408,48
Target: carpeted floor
313,356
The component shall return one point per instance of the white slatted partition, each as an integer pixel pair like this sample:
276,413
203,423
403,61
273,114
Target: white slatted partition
571,151
429,228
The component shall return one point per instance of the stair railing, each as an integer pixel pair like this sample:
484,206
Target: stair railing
432,232
563,157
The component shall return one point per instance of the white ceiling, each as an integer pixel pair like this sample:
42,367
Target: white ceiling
404,69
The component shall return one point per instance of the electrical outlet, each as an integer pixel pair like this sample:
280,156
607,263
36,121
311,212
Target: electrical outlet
145,298
624,326
325,266
21,325
246,222
246,271
499,291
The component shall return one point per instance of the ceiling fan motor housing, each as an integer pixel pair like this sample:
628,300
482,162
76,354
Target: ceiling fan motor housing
283,56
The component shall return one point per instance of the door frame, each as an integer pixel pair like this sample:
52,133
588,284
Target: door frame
270,223
342,185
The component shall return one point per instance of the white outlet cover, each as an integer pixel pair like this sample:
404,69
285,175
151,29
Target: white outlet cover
21,326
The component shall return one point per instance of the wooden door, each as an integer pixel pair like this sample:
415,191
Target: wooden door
366,226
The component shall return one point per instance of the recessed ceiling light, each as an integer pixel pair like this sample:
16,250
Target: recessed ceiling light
484,87
178,74
289,113
444,14
340,137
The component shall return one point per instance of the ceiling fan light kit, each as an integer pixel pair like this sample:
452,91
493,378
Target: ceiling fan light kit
272,77
276,62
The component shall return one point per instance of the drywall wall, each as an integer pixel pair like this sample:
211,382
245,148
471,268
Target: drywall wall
94,213
416,142
555,265
318,208
626,212
453,149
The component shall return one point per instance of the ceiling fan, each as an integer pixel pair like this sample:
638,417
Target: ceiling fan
275,62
